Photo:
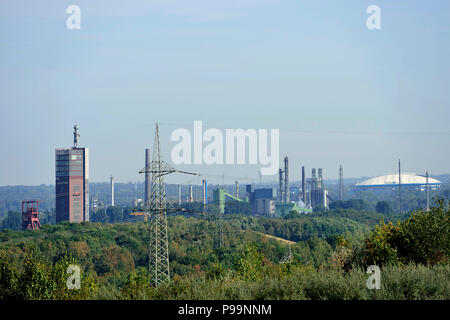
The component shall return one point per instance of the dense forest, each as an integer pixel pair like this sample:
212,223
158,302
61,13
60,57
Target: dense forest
330,253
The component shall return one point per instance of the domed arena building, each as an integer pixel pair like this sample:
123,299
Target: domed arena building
408,180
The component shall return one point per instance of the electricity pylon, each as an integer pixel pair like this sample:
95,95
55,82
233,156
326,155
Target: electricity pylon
157,209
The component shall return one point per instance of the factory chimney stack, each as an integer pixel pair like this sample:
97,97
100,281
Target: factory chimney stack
205,193
303,185
428,193
286,180
112,191
399,187
147,177
280,179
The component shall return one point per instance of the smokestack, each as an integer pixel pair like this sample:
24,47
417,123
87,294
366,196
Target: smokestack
428,195
112,191
179,194
303,185
399,187
147,177
237,189
205,192
280,178
191,195
325,199
286,181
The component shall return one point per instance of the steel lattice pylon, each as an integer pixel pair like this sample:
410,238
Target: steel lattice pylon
157,209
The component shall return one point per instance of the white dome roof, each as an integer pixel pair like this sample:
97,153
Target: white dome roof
392,179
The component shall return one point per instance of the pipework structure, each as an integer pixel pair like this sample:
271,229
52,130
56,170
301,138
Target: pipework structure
280,181
318,195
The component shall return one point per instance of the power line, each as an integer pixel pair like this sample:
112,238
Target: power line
328,131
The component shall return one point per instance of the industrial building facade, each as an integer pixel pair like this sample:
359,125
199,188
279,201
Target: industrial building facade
72,184
262,201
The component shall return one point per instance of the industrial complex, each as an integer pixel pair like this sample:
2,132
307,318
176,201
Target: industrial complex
308,194
277,200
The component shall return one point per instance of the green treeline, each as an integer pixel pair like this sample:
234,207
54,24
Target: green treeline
328,261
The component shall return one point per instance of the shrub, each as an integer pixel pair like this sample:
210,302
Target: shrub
423,238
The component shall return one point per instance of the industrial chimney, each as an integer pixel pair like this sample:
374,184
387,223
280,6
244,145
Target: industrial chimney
428,193
147,176
112,191
399,187
280,178
286,180
303,185
205,192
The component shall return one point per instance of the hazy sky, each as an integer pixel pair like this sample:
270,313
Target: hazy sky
338,92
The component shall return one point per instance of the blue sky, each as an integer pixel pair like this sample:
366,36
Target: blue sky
338,92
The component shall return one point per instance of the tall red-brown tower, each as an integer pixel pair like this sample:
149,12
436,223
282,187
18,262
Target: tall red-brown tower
30,212
72,182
